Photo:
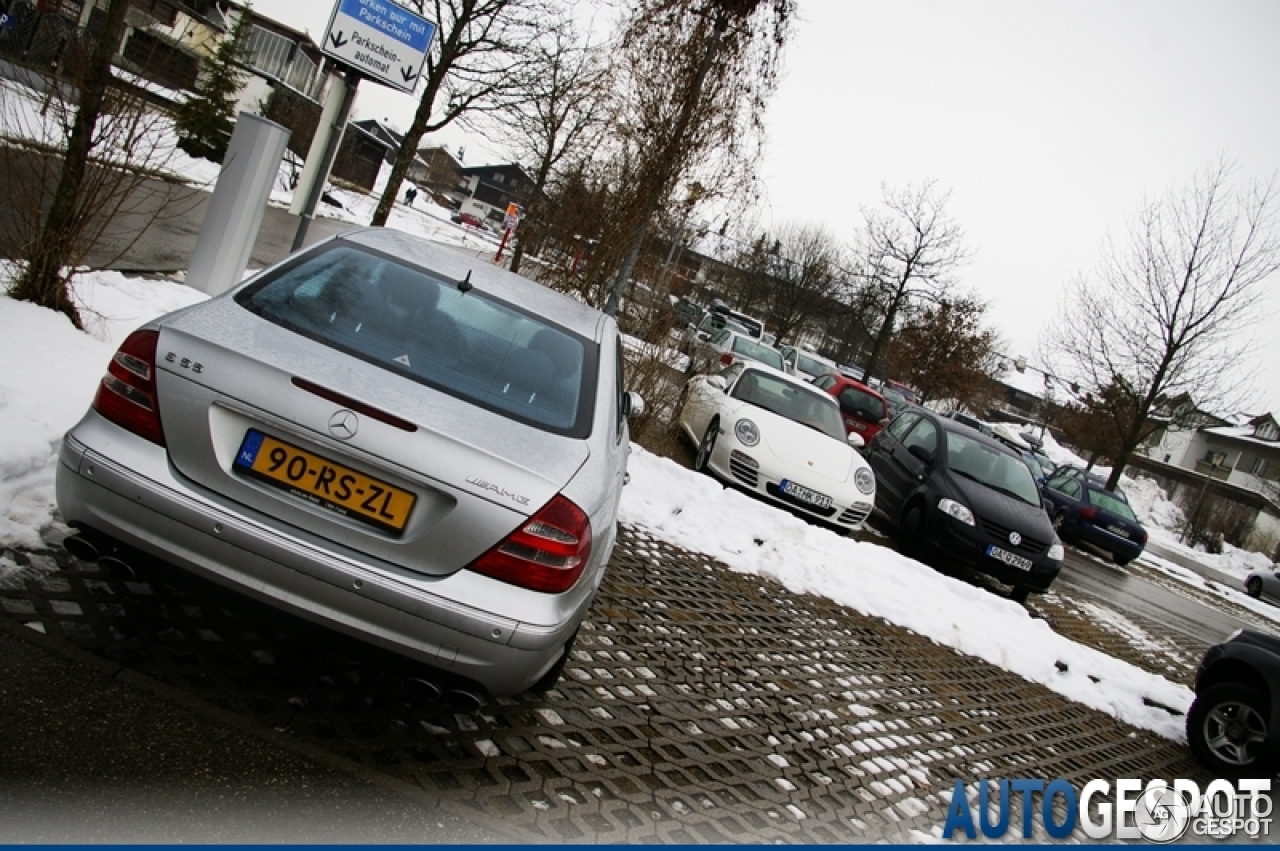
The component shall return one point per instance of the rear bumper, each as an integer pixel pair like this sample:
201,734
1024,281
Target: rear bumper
375,602
1125,548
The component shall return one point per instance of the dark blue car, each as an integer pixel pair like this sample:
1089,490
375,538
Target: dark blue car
1083,510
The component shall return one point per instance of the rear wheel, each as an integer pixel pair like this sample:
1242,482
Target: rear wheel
1227,731
1253,587
706,447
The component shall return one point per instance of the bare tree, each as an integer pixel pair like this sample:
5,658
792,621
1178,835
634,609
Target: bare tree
792,277
556,117
908,252
473,61
1165,311
694,76
85,166
43,280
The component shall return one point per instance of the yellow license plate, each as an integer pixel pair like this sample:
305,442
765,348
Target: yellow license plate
323,482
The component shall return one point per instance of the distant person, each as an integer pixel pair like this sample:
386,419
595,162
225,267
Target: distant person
410,194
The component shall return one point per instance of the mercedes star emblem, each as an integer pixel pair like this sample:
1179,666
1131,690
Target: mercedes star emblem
344,424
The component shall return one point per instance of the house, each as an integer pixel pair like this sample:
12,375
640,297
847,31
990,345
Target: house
1177,419
441,173
490,188
1247,455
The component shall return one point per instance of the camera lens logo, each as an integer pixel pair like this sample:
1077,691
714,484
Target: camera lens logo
1162,815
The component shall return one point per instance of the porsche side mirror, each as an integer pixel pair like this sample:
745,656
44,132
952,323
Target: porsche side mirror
856,441
717,382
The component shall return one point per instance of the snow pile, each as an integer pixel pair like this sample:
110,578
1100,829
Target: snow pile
49,372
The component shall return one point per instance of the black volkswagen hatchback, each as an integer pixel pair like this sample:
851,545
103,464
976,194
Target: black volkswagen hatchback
957,494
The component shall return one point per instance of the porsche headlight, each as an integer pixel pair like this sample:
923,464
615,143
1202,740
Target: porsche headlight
865,480
747,432
954,509
1057,552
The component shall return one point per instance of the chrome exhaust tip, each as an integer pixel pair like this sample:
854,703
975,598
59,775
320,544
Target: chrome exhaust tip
463,700
117,565
83,547
420,689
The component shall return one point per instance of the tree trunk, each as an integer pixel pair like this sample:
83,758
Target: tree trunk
42,281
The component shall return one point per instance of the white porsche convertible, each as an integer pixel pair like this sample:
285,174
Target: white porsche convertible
779,437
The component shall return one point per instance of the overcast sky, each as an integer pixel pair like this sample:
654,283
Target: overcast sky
1047,121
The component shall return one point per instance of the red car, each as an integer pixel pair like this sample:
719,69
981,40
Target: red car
469,220
863,410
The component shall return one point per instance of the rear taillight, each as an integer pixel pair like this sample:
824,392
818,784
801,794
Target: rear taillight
547,553
127,394
1089,513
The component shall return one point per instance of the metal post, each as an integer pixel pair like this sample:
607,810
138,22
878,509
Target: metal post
239,202
323,151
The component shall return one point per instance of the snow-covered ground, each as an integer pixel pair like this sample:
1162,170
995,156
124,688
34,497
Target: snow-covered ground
49,371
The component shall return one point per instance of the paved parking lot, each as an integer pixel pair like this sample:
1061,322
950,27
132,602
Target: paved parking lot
700,705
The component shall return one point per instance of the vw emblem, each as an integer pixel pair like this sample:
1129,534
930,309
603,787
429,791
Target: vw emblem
1015,538
344,424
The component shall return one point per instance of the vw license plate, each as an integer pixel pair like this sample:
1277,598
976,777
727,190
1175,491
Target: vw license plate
804,494
1009,558
323,482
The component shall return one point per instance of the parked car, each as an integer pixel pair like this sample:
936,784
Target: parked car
863,410
904,391
379,434
468,219
955,493
726,345
1264,584
780,438
1083,510
896,401
687,312
1233,726
805,363
752,326
971,421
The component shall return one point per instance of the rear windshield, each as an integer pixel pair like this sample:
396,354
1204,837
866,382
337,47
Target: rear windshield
1112,503
861,404
749,348
419,325
810,366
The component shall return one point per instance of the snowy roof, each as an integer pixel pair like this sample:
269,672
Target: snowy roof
1030,381
1242,433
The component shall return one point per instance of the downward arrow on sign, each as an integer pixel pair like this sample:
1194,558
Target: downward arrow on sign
337,39
407,73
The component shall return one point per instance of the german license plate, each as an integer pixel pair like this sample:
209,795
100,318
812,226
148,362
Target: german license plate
1009,558
804,494
323,482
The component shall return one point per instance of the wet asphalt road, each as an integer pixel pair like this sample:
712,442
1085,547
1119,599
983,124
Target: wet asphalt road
1129,593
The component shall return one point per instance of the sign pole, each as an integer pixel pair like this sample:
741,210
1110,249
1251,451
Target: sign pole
329,136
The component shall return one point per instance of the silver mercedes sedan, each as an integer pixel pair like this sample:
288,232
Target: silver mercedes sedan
380,434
